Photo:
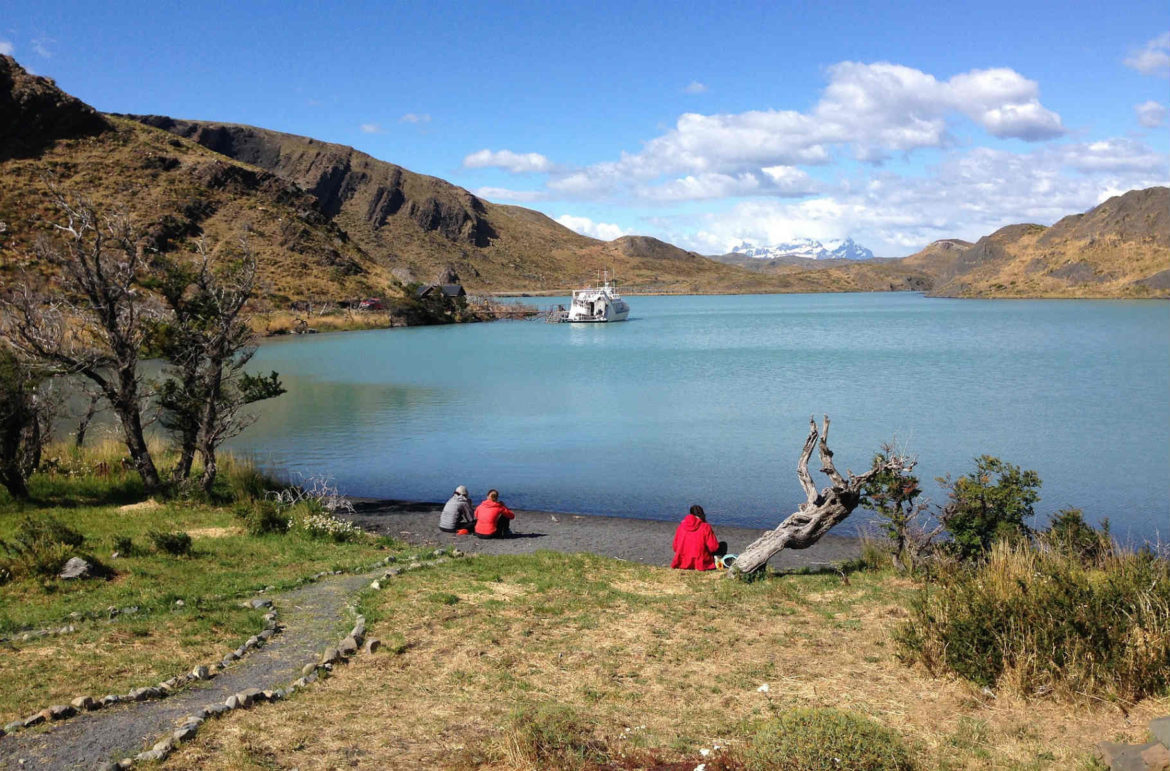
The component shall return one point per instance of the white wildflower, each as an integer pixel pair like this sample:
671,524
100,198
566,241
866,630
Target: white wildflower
764,688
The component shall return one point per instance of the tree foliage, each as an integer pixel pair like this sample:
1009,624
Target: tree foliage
991,503
893,493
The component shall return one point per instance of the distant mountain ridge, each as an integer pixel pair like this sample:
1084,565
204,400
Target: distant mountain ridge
807,248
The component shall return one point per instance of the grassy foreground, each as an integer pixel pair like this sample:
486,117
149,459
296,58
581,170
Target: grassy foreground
91,493
576,661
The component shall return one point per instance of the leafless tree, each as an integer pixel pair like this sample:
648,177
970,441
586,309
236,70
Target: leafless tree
96,325
822,511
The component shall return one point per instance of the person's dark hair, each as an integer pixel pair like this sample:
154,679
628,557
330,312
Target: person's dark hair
493,494
697,510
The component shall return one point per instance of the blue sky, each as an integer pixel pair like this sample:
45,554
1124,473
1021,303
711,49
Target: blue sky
703,124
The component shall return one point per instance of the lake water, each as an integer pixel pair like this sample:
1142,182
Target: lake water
707,400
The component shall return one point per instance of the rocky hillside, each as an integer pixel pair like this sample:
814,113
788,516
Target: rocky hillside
418,225
1120,248
173,189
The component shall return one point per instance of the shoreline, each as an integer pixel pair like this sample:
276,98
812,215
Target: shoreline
647,541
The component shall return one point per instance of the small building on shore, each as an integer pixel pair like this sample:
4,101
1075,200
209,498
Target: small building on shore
446,291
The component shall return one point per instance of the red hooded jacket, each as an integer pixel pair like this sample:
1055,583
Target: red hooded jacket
694,545
487,516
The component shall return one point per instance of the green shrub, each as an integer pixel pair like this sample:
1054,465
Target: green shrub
124,545
1070,534
816,739
40,547
176,543
990,504
1039,621
551,736
262,517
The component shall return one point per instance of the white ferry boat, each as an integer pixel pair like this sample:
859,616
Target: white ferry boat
593,305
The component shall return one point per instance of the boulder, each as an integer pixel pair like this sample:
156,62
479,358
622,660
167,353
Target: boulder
200,673
1160,730
185,732
76,567
348,647
1153,756
84,703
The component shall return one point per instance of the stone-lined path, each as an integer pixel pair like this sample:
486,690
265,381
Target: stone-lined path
312,617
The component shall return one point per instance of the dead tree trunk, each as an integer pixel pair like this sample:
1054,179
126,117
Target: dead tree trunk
821,511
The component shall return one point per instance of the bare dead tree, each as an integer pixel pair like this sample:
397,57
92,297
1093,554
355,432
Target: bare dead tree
822,511
97,324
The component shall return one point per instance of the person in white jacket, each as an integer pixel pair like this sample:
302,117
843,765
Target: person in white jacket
457,514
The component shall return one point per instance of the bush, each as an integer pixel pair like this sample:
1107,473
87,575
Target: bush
551,736
177,543
1070,534
262,517
816,739
1039,621
318,524
124,545
40,547
988,505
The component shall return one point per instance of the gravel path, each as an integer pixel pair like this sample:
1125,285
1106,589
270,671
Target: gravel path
637,540
311,616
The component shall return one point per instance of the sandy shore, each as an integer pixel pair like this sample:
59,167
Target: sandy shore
637,540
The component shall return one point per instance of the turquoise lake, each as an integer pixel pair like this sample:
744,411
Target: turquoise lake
707,400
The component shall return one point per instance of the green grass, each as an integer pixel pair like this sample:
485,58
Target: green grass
90,493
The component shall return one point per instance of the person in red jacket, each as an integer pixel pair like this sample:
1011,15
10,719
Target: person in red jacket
492,518
695,544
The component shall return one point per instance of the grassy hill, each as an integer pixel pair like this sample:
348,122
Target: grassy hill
173,189
1120,248
421,225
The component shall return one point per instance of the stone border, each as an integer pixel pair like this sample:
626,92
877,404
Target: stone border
59,712
346,649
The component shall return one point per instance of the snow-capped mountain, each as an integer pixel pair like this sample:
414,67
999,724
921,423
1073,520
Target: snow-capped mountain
807,248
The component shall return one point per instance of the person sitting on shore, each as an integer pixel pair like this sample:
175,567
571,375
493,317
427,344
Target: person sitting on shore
695,544
457,514
492,518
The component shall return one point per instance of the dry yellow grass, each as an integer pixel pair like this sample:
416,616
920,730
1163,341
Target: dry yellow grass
652,658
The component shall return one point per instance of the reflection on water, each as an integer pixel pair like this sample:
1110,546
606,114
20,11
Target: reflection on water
707,399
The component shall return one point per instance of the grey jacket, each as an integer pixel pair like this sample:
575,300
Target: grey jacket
457,513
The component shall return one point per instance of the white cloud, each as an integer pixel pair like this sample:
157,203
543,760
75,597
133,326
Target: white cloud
505,194
870,110
587,227
372,128
517,163
1153,58
784,181
41,45
969,195
1150,114
415,117
6,48
695,87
